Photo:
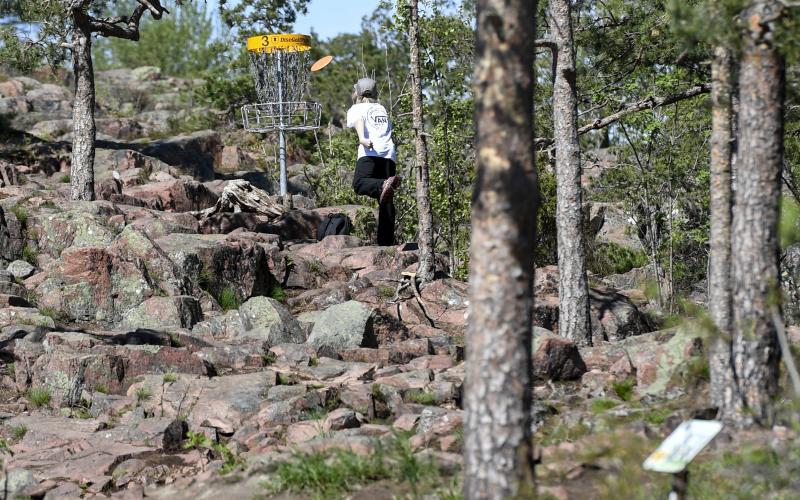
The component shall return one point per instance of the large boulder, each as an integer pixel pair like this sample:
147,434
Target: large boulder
164,313
221,403
179,195
556,358
12,237
343,326
266,318
658,361
614,316
221,264
78,227
193,154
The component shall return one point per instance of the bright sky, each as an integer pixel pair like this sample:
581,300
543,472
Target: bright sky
331,17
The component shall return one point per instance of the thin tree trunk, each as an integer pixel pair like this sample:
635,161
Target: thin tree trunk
427,259
754,350
721,199
573,289
498,444
83,126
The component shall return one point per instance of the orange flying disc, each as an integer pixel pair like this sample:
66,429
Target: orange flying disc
324,61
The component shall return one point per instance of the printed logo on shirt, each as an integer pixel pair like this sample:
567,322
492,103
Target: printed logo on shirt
377,115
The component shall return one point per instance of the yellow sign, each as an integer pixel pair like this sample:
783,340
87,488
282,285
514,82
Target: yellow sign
287,43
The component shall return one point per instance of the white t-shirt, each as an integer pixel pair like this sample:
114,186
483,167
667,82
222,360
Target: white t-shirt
377,128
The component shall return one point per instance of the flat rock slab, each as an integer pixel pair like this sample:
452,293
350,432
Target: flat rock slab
220,402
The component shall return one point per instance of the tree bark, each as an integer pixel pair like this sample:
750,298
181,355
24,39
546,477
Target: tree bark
754,351
498,444
721,200
574,321
427,259
83,126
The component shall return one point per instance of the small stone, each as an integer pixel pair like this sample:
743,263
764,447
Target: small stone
341,418
21,269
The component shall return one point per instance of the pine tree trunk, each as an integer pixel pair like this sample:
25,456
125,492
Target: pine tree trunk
573,289
83,128
427,259
498,444
721,199
754,350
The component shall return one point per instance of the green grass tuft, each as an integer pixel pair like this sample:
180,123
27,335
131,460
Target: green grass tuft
21,213
65,179
29,255
228,300
39,396
170,377
601,405
278,293
420,397
143,393
18,431
624,388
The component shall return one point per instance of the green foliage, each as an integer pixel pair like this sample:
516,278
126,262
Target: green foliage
334,473
39,396
181,43
365,226
624,388
420,397
18,431
21,213
29,254
199,441
261,16
278,293
20,48
170,377
143,393
64,179
327,474
102,389
601,405
228,300
789,225
611,258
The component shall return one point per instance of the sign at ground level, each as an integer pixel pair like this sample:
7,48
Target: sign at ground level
680,447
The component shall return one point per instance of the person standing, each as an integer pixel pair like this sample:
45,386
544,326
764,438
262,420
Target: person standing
375,174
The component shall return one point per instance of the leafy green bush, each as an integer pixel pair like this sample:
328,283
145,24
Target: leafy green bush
611,258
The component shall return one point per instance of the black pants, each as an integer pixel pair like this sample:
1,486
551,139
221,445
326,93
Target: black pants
368,179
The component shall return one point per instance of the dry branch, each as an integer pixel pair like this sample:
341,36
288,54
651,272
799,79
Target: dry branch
628,109
241,196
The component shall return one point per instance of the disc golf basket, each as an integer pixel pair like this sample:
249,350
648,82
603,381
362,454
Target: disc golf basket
279,65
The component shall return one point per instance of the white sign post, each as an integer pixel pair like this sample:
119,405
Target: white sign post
679,449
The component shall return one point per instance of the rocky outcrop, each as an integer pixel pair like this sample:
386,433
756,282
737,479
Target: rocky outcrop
194,154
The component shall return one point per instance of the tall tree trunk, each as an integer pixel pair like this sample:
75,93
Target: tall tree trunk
498,444
427,259
721,199
754,350
573,289
83,126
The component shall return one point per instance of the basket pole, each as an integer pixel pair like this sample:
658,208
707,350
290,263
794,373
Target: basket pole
281,136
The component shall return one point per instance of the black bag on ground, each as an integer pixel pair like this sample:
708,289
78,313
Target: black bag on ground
334,224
